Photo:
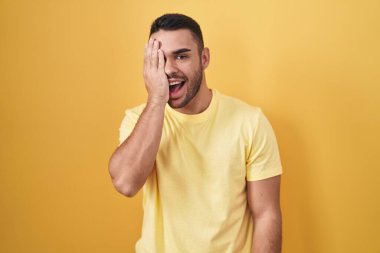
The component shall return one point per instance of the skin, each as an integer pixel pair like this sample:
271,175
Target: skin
264,202
173,56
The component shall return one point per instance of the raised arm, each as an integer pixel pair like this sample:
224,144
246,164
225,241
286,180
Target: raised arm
264,202
133,161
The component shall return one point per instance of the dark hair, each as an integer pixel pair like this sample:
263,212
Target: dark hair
175,21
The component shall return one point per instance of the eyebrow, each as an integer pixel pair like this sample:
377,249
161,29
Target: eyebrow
182,50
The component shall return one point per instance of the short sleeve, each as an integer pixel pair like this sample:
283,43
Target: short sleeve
263,159
127,125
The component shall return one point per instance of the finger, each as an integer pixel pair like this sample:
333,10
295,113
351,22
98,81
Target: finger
154,55
149,52
161,61
146,59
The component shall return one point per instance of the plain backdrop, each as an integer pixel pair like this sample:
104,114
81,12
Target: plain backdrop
69,69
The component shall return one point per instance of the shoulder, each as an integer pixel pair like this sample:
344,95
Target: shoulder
237,107
129,121
135,111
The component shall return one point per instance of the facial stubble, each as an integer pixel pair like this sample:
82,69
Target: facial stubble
192,89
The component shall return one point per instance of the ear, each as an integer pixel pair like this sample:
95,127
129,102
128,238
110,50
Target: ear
205,57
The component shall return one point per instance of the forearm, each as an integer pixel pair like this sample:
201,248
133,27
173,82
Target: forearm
133,160
267,233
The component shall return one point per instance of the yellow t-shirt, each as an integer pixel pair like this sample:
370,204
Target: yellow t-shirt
195,201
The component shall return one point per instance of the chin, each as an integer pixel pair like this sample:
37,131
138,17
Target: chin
174,104
177,103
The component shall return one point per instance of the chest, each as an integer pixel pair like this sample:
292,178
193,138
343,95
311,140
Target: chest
203,152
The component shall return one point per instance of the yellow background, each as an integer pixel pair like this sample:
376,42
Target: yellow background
68,69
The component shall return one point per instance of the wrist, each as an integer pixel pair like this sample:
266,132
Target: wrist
156,102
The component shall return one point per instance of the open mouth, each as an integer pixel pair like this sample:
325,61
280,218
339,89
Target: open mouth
173,88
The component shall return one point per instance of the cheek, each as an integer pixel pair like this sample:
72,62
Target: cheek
188,69
192,68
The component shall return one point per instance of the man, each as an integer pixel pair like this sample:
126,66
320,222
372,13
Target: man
209,163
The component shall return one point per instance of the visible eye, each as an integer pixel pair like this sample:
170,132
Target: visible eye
181,57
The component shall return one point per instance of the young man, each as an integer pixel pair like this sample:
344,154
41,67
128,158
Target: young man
209,163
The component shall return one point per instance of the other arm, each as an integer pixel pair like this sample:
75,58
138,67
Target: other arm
264,202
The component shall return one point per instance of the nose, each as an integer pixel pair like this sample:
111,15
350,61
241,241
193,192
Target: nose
170,67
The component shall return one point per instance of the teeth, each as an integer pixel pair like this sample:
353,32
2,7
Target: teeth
175,83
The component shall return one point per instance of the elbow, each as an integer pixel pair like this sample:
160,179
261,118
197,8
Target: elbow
125,189
120,179
269,215
123,186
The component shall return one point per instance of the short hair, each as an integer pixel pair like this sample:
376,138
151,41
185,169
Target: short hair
176,21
